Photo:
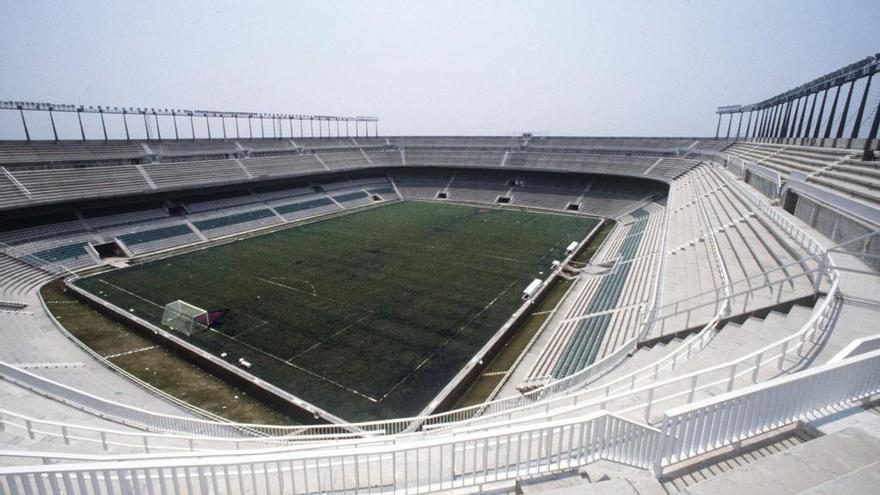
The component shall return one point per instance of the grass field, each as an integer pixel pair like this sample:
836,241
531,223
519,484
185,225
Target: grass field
367,315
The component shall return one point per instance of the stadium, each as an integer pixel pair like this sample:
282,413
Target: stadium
224,302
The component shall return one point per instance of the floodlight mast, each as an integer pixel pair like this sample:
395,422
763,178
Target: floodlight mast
784,118
276,119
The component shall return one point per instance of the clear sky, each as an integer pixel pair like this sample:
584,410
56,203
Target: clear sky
641,68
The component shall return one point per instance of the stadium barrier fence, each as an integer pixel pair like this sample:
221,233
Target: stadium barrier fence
477,458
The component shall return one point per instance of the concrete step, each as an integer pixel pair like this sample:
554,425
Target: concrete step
681,477
844,457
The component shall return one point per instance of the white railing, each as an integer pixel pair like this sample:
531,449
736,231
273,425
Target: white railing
724,420
476,458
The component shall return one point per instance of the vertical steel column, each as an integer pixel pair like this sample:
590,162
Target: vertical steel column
831,114
52,120
729,123
872,134
223,123
125,122
27,134
845,110
794,118
861,112
786,116
800,126
347,134
301,133
146,126
174,118
819,117
810,118
320,128
158,130
357,128
763,122
376,127
311,127
262,128
192,126
718,126
774,128
290,125
739,125
274,122
749,125
103,125
237,134
79,117
208,126
250,129
337,126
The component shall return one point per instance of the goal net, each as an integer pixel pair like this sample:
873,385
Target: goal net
184,317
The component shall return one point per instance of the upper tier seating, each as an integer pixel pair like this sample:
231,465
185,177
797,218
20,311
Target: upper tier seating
438,158
19,152
831,168
190,174
198,147
65,184
282,165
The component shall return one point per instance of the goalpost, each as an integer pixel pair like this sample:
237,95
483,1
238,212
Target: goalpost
182,316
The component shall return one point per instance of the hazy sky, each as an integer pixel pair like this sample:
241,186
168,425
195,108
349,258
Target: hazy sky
642,68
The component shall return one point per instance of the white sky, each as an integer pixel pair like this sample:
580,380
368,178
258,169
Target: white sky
652,68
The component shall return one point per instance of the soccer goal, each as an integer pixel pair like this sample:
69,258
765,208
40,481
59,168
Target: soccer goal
184,317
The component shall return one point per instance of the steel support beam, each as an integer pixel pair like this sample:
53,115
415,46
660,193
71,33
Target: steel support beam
819,117
858,124
845,110
831,114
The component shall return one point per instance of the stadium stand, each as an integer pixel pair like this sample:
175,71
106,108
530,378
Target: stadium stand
173,175
665,251
282,166
18,152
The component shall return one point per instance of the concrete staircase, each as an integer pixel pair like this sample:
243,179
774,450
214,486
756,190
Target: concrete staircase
731,341
844,462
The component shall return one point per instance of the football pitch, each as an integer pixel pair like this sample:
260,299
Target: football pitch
367,315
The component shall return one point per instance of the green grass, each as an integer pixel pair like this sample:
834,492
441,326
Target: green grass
366,315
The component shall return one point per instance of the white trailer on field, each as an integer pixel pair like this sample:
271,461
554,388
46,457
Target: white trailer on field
571,248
